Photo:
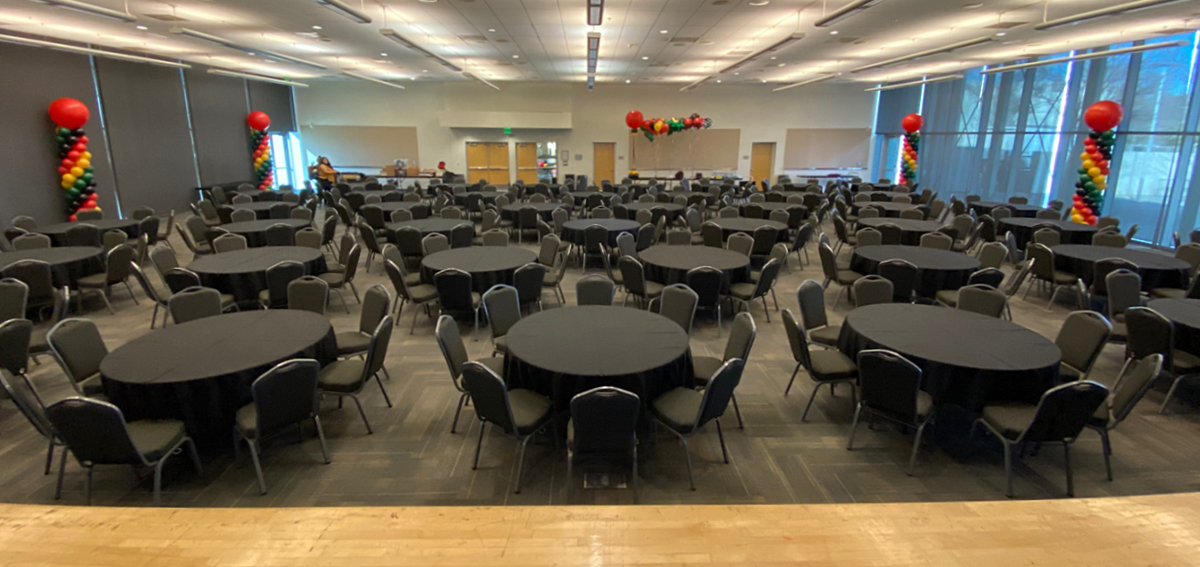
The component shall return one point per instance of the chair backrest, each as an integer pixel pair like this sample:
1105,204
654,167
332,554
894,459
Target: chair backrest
1105,222
987,276
869,213
811,298
82,234
502,306
26,398
889,383
594,289
279,277
490,396
797,340
308,293
712,235
764,238
373,216
113,238
869,290
1124,291
451,344
381,337
309,237
679,237
632,275
78,347
1081,339
285,395
1043,260
741,242
719,390
454,290
1063,411
25,222
229,243
14,296
1149,333
14,345
678,303
179,279
1046,214
280,234
242,215
1101,268
605,421
645,236
94,431
983,299
408,239
434,243
902,274
376,303
528,281
869,237
992,254
31,241
194,303
937,240
1131,386
741,338
1112,240
1047,237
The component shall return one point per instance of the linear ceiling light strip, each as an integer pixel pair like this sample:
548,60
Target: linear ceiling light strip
341,8
253,77
914,83
248,49
1104,12
595,12
372,79
1084,56
472,76
92,9
927,53
805,82
90,51
392,35
770,49
845,12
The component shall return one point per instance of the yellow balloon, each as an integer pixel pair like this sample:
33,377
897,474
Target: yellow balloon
66,185
68,179
83,162
86,155
1093,171
77,171
1085,156
1102,185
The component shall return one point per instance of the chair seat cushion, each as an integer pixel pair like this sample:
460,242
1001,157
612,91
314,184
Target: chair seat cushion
1064,278
412,279
334,279
847,277
743,291
1100,416
422,293
705,367
1168,293
352,342
1183,362
500,344
831,365
342,376
678,407
653,289
154,438
1009,419
948,297
1119,331
94,280
827,335
246,419
550,278
334,267
493,363
530,409
37,341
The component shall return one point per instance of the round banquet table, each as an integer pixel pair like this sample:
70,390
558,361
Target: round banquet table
968,359
489,197
58,231
670,264
419,210
427,226
262,209
545,210
243,273
488,265
888,208
911,230
255,231
936,269
776,206
673,210
1157,270
67,263
708,198
734,225
581,196
267,196
889,194
1023,228
1020,211
562,352
200,372
572,230
1185,316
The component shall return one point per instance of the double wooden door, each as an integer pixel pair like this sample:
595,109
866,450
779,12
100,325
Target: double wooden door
488,162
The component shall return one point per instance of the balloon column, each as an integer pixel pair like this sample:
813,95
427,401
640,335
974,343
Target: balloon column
658,126
1101,117
75,167
912,145
263,172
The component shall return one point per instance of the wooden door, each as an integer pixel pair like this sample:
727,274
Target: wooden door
498,172
762,161
527,162
477,162
603,159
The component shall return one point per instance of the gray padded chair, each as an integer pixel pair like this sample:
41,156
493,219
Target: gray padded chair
871,290
684,411
117,263
346,378
455,352
518,413
1131,385
595,289
1124,291
78,348
528,280
279,277
308,293
21,391
827,366
502,308
603,425
337,281
1081,339
633,277
890,387
283,397
677,303
741,340
983,299
418,295
1059,417
1151,333
194,303
707,282
96,433
745,293
377,303
811,298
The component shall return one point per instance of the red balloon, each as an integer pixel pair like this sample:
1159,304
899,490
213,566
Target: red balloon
83,139
73,155
634,119
71,218
62,170
69,113
1104,115
68,163
259,120
911,123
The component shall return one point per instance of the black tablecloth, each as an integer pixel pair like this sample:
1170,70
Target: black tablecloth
419,210
427,226
489,197
888,208
670,264
968,359
731,226
672,209
488,265
889,194
936,269
562,352
1157,270
776,206
200,372
67,263
1019,211
256,231
573,230
1185,316
58,231
266,196
545,210
262,209
243,273
911,229
1023,228
581,196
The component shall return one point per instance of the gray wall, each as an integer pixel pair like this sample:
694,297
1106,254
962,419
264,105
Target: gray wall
276,101
219,107
32,78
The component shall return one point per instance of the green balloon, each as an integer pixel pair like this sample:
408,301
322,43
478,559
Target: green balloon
73,192
1082,171
64,131
1089,186
1085,179
87,177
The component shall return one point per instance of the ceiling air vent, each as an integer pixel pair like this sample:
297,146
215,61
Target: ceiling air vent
476,39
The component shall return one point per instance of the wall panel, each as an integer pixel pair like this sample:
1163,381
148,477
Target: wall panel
276,101
219,108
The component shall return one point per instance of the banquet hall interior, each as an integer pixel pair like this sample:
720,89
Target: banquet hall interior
886,282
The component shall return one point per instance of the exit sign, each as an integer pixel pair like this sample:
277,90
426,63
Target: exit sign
508,130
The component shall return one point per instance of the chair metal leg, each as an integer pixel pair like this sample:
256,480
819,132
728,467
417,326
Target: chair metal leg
1162,410
458,410
104,296
1008,449
62,469
154,315
793,380
345,305
262,484
354,290
50,457
687,452
321,438
384,390
362,413
721,437
838,299
195,456
87,487
129,288
773,299
737,411
414,322
521,462
811,397
853,427
1107,446
1067,466
766,310
912,460
479,444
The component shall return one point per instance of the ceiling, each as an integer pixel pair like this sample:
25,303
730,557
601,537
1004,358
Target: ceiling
642,41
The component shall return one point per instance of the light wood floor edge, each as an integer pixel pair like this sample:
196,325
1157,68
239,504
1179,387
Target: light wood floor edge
1124,531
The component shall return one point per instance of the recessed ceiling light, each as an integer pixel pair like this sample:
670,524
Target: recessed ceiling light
782,65
760,3
834,32
737,73
663,31
772,58
491,30
644,58
427,1
973,6
383,54
627,81
424,70
142,28
718,80
516,56
317,27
